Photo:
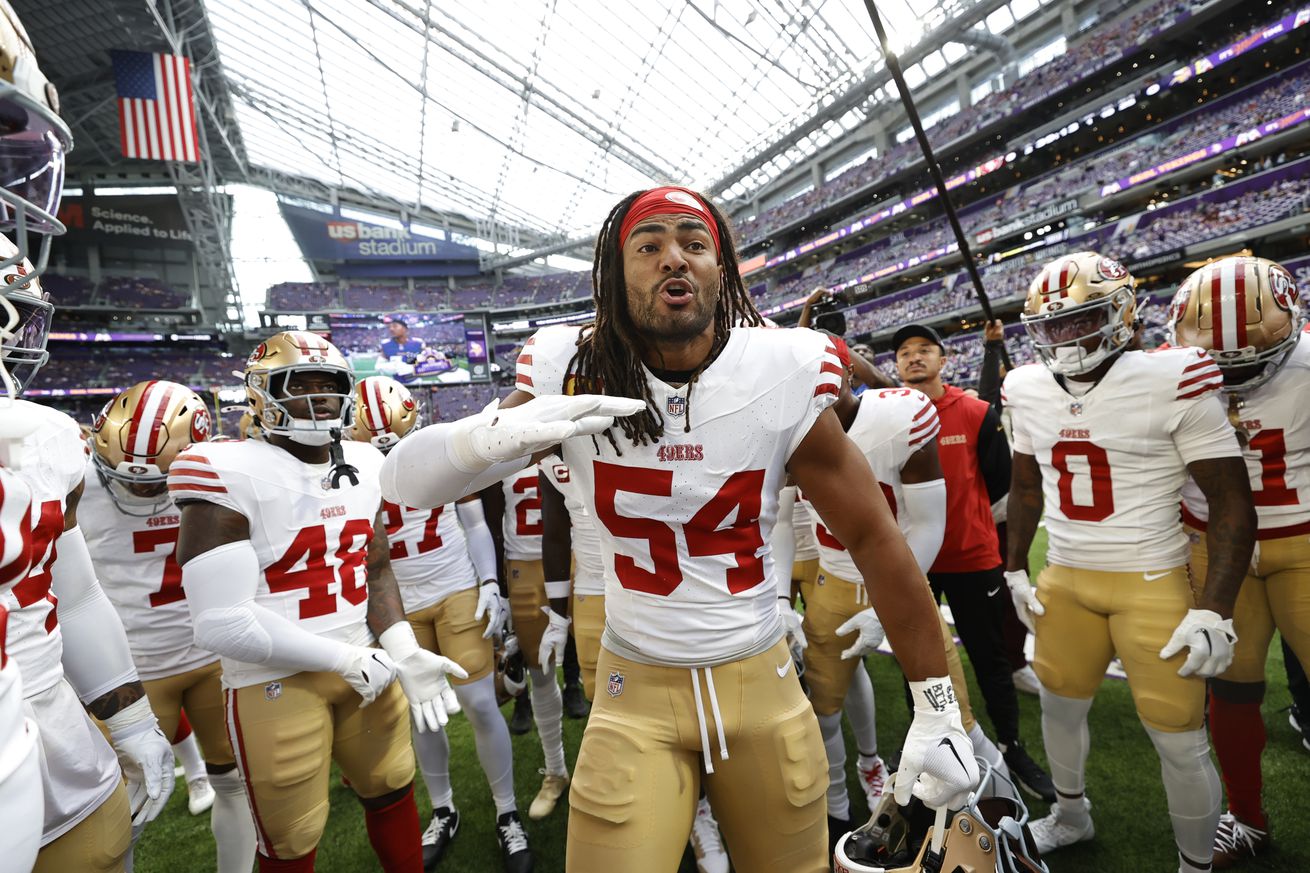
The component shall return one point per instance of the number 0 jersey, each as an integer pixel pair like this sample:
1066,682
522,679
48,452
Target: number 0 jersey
890,426
588,563
429,554
1114,459
1276,420
311,539
522,526
53,461
685,522
134,557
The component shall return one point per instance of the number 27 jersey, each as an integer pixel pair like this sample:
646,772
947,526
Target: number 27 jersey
685,522
311,539
1114,459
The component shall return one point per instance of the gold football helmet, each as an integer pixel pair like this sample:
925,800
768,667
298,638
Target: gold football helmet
988,834
1245,311
137,435
270,368
1081,310
384,412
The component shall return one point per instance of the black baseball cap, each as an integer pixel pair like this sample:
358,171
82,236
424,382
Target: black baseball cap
916,330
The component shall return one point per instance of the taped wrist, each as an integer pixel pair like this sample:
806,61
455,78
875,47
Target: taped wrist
558,589
934,696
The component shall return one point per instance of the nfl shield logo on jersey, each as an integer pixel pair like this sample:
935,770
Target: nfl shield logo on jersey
615,687
677,405
1076,408
272,691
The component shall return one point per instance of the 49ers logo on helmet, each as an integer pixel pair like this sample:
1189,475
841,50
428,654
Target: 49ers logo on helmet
408,404
258,353
1178,308
1283,287
200,425
1111,269
102,416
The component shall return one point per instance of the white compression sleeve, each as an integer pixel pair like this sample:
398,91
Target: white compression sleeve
96,657
784,541
220,587
431,467
925,519
482,550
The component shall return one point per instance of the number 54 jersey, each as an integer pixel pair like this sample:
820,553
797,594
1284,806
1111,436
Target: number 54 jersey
311,539
685,522
1114,459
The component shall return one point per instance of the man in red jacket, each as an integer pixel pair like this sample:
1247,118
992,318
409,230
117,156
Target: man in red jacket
975,459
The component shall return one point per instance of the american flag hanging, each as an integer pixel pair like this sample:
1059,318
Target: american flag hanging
156,110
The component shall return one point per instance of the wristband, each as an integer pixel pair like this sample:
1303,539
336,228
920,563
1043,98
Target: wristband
398,641
133,719
934,695
557,590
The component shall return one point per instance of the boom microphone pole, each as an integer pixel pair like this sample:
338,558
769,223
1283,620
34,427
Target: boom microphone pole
894,65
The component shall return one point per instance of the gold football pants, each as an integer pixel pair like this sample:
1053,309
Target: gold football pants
527,595
448,628
200,692
588,625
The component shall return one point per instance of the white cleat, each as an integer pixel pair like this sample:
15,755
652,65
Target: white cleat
199,795
552,789
706,843
874,781
1026,680
1062,828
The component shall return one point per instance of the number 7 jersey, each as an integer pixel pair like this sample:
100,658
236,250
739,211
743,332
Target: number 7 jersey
1114,459
685,522
311,539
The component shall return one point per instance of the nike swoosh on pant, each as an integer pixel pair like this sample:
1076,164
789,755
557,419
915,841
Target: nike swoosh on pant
1151,577
782,669
992,593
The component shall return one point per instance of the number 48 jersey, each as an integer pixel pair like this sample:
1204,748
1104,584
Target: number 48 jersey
1114,459
134,557
311,539
685,522
1276,420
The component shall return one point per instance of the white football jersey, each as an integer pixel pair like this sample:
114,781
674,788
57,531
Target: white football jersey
15,562
135,561
685,522
429,554
807,547
54,458
1276,420
311,539
588,563
522,522
889,427
1114,459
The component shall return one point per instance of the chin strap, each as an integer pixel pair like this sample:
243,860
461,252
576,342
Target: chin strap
340,469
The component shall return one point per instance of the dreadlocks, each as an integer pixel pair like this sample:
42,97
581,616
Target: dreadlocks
608,360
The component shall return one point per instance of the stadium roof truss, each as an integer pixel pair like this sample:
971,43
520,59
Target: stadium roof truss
533,122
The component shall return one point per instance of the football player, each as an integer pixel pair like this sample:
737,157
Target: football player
130,525
285,565
445,566
684,483
896,431
88,816
1247,314
514,511
1104,438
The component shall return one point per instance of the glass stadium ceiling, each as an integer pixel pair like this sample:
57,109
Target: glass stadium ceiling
540,114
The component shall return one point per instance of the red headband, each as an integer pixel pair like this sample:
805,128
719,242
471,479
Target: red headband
670,200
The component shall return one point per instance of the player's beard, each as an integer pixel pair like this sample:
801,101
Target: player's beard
677,326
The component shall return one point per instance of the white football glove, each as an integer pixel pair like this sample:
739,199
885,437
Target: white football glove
791,624
369,671
1210,639
551,651
871,634
422,675
1025,599
493,606
146,757
937,764
505,434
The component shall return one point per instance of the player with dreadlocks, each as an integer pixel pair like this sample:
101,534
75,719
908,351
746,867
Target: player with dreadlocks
697,677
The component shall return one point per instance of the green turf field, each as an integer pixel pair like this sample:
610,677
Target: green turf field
1133,833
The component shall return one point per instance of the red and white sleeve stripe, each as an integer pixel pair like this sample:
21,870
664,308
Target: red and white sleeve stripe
830,372
1200,377
192,476
925,426
15,530
523,369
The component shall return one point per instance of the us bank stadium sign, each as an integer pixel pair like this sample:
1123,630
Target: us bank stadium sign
329,236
